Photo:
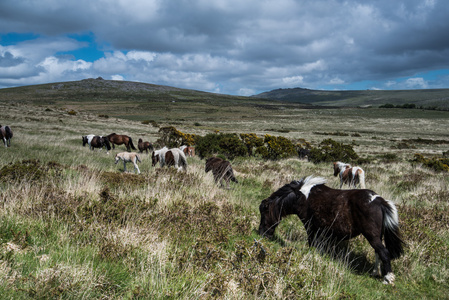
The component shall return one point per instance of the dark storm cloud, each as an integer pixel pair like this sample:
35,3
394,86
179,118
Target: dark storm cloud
238,46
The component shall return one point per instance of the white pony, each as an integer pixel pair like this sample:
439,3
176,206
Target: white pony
349,175
128,157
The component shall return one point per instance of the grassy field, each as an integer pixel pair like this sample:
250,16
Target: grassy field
73,225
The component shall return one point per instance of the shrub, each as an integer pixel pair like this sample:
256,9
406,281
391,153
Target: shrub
228,145
279,147
172,137
251,141
436,164
330,150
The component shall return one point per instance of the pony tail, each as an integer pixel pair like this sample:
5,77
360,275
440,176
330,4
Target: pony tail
131,143
362,179
184,161
393,241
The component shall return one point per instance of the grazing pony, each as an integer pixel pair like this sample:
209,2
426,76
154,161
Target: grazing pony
86,139
119,139
349,175
144,146
170,157
188,150
100,142
6,135
337,215
128,157
221,169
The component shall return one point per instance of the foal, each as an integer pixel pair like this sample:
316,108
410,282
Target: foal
349,175
128,157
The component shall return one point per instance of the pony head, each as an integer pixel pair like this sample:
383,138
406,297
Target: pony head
84,138
154,158
105,142
268,217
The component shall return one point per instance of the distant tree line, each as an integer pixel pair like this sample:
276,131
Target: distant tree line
412,106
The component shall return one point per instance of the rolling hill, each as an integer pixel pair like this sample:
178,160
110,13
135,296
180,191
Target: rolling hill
99,90
430,98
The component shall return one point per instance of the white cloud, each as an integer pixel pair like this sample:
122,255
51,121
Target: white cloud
117,77
416,83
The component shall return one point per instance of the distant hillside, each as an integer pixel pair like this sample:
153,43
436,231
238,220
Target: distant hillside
435,98
99,90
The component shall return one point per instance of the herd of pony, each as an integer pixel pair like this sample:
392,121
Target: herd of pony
328,215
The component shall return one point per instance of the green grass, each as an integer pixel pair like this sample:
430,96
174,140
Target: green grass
73,225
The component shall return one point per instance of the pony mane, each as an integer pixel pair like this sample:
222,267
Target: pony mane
285,190
306,184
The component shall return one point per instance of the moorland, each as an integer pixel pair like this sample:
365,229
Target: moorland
74,225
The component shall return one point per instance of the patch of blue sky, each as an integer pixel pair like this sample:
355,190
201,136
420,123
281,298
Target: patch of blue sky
90,50
13,38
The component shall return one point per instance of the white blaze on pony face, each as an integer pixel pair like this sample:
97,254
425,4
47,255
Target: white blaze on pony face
309,183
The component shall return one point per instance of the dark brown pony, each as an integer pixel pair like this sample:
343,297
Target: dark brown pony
144,146
330,214
6,135
221,169
99,142
119,139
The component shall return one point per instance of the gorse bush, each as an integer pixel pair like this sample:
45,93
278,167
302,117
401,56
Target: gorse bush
436,164
278,147
330,150
231,145
228,145
172,137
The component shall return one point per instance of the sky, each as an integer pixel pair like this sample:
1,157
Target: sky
237,47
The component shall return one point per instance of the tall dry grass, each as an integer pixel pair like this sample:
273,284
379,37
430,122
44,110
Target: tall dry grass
73,225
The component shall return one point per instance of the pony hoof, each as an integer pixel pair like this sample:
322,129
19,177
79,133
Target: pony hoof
389,279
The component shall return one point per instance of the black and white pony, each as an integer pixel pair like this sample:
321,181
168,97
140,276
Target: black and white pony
6,135
96,141
331,214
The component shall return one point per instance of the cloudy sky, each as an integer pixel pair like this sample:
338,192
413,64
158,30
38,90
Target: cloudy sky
239,47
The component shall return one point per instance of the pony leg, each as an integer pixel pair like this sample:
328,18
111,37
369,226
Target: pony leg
376,271
4,140
136,167
124,166
384,256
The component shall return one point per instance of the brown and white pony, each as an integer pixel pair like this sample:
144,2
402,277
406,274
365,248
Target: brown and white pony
6,135
169,157
119,139
144,146
221,169
352,176
337,215
188,150
128,157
